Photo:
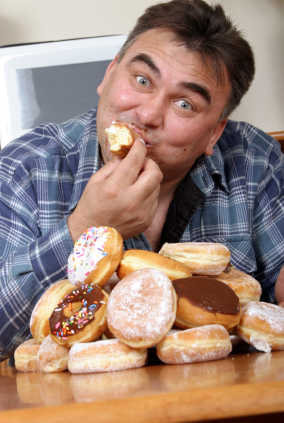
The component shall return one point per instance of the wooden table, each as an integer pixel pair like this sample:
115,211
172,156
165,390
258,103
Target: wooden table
244,384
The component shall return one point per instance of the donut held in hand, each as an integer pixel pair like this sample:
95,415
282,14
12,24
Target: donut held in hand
105,356
80,316
245,286
204,343
141,259
52,357
95,256
262,326
39,323
121,138
205,301
202,258
142,308
26,356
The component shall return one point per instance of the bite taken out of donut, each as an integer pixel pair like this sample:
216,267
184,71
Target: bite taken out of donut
80,316
142,308
202,258
205,301
95,256
121,137
141,259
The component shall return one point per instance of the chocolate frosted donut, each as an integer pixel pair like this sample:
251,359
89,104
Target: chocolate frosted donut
80,316
205,301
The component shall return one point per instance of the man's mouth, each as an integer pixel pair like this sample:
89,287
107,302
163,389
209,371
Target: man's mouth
144,138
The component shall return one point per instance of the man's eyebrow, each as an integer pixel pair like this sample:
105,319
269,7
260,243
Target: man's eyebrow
192,86
144,58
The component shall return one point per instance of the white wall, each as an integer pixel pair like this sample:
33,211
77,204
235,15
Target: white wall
262,21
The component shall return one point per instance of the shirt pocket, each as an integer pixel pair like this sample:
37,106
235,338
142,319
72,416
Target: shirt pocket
241,249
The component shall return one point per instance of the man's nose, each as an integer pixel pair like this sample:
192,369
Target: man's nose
151,111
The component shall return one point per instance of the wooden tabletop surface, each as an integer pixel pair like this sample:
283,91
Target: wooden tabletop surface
243,384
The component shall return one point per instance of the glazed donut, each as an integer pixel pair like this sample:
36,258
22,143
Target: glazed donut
52,357
142,308
205,301
205,343
202,258
39,323
120,137
141,259
80,316
26,356
262,326
105,356
95,256
245,286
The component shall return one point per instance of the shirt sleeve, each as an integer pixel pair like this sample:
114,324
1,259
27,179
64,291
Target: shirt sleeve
32,257
268,220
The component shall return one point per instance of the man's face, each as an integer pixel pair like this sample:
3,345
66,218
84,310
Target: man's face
171,98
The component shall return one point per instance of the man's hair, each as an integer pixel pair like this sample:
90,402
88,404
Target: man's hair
205,30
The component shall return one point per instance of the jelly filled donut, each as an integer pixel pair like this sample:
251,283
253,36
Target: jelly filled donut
80,316
105,356
52,357
121,138
262,326
202,258
206,343
142,308
95,256
245,286
140,259
205,301
26,356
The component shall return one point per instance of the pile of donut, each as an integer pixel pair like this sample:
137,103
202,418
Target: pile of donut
185,301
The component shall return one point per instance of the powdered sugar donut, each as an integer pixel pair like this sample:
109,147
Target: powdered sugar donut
105,356
202,258
142,308
262,325
205,343
26,356
245,286
52,357
95,256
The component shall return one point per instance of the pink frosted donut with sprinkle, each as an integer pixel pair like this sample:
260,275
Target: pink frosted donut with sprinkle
95,256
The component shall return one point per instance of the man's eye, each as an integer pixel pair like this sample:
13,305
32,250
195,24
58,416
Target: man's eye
142,81
183,104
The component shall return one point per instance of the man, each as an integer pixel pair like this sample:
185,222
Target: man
192,176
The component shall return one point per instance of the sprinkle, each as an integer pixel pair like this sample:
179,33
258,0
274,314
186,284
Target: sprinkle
57,325
103,302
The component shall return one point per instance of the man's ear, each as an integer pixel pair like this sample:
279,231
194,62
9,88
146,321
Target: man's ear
110,69
216,134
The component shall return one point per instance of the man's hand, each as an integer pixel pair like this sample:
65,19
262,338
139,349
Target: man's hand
123,195
279,288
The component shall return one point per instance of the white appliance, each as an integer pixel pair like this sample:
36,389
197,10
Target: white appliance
51,82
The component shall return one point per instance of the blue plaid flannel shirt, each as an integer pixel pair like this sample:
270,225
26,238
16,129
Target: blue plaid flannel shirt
42,177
